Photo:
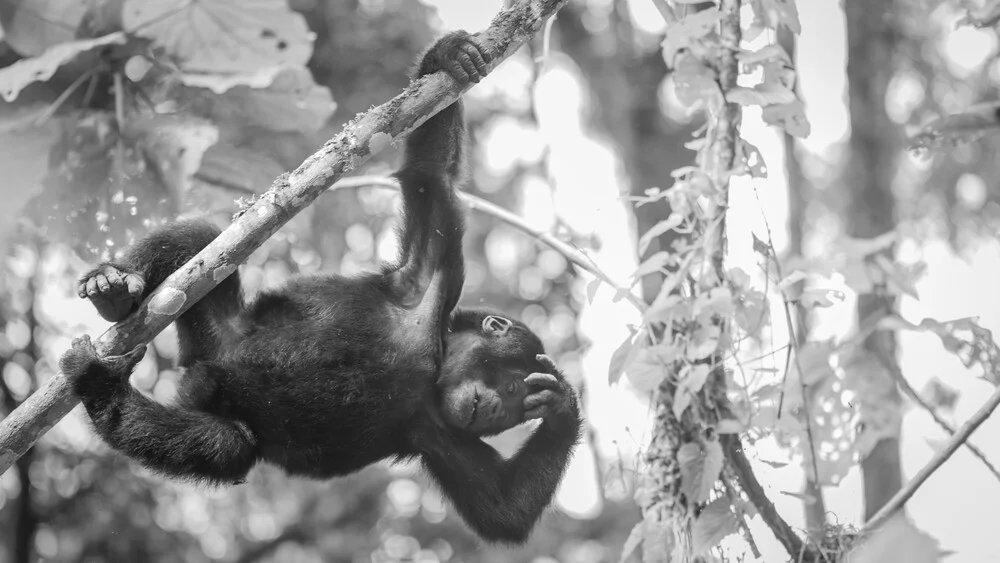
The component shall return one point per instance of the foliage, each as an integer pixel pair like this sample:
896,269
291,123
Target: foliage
163,91
697,326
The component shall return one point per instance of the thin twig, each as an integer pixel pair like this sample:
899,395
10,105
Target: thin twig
479,204
960,437
897,374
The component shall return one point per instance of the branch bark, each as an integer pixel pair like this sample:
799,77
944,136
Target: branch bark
289,194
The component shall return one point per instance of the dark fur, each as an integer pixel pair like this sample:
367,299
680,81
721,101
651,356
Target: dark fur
330,374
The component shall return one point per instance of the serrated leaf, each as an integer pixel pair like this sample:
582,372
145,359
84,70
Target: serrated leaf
674,220
700,464
24,72
222,36
715,522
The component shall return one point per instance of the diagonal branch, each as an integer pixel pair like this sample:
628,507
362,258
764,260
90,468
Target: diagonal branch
288,195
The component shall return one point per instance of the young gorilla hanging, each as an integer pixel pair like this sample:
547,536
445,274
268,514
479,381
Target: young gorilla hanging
330,374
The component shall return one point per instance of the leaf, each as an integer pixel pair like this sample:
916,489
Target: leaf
717,301
222,36
786,12
858,248
174,144
752,160
814,360
646,372
592,288
765,94
621,358
807,499
658,229
774,464
293,103
657,542
690,28
976,121
791,117
692,379
653,264
729,426
682,400
902,278
694,82
813,298
226,165
31,27
715,522
632,542
751,311
987,15
771,52
704,342
700,464
896,541
24,72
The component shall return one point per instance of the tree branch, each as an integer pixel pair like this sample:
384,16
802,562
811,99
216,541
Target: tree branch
288,195
960,437
476,203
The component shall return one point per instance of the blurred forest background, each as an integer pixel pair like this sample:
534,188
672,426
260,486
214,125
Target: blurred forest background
124,114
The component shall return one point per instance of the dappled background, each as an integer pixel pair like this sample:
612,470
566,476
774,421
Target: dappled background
558,133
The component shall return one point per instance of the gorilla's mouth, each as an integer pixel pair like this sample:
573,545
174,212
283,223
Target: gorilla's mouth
475,407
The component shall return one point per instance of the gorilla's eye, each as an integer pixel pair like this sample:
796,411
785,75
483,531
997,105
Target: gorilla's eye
497,325
512,387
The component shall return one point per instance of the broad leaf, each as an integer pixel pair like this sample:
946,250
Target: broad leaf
700,464
31,27
222,36
17,76
715,522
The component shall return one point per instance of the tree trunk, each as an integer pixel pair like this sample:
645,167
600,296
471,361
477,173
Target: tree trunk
874,147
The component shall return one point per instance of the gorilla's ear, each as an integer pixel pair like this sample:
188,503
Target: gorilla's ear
496,326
